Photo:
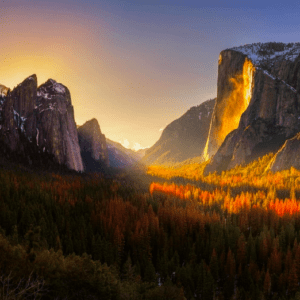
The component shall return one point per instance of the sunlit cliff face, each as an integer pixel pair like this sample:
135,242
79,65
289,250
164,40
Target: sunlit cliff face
234,105
237,102
220,59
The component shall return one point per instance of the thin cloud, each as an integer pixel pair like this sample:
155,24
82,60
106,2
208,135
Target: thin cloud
138,146
125,143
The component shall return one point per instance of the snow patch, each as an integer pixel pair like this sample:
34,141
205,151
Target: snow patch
282,81
263,52
42,93
59,88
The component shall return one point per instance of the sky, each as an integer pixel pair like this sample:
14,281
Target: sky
138,65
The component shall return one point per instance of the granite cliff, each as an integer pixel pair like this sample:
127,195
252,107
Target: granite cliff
93,146
40,120
258,103
184,138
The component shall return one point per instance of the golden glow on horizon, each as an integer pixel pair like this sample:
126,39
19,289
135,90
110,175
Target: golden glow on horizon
132,90
43,67
237,102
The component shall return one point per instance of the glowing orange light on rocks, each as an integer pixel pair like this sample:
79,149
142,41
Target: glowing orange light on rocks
237,102
205,152
220,59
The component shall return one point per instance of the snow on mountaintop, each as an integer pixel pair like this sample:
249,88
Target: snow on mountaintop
59,88
56,87
260,53
50,88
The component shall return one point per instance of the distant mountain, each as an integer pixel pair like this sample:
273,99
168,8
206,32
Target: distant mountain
142,152
93,146
184,138
121,157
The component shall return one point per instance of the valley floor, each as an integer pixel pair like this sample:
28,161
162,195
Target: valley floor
164,233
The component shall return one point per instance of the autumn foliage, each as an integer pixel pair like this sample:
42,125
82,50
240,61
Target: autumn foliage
234,235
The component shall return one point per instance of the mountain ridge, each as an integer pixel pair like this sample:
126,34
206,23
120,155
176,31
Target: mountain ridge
184,138
121,157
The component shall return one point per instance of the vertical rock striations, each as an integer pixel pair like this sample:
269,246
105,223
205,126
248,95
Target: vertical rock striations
18,112
42,120
235,73
272,114
56,127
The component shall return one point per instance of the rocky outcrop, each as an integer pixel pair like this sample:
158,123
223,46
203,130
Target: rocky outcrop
272,114
184,138
42,117
92,144
288,156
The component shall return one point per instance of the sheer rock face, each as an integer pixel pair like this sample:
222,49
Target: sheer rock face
24,96
273,113
56,127
230,65
9,129
16,106
184,138
42,116
92,142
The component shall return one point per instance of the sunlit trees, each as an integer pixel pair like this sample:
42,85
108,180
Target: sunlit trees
234,235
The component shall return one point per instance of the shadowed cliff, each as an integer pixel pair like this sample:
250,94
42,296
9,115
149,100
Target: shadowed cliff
184,138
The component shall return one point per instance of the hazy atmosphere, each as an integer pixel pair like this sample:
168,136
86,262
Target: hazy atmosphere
134,65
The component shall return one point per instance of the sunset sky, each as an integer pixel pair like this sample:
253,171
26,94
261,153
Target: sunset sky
134,65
